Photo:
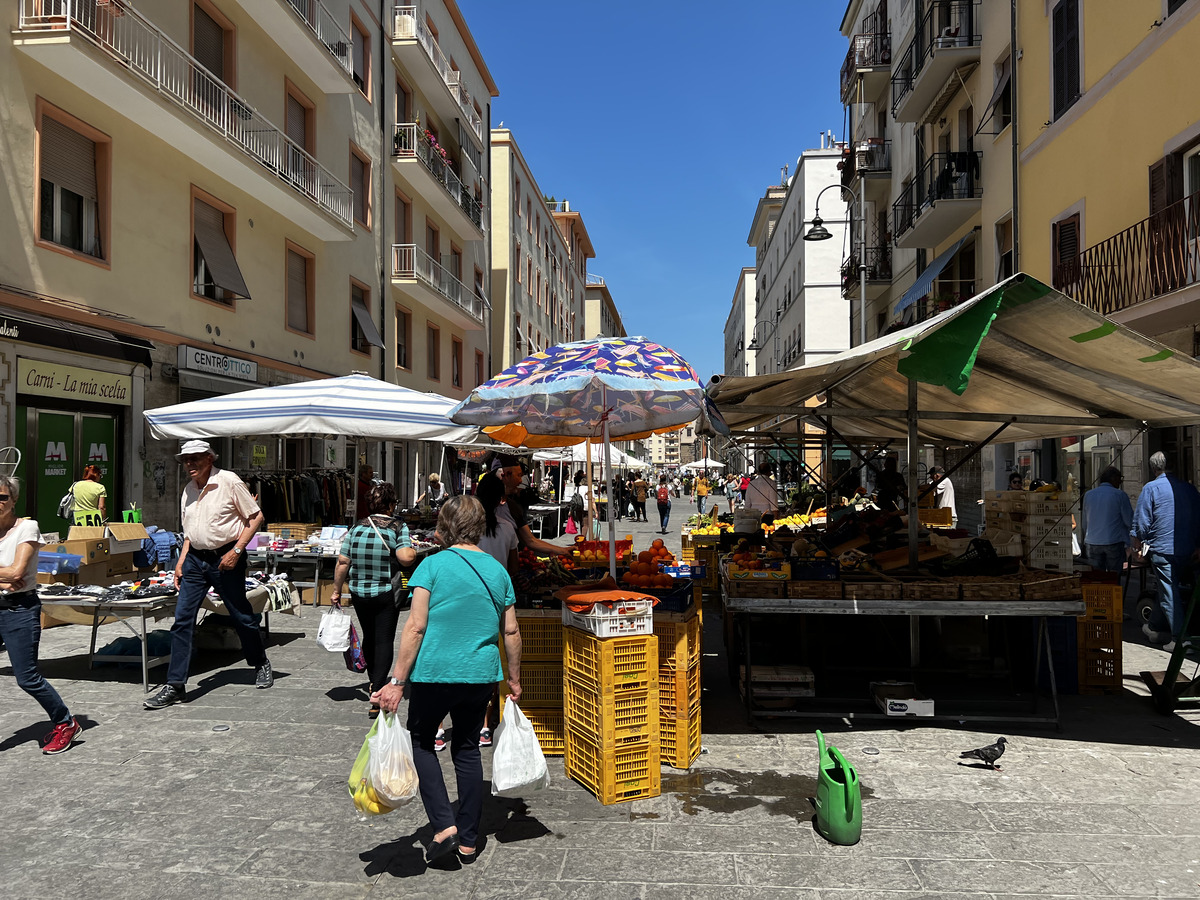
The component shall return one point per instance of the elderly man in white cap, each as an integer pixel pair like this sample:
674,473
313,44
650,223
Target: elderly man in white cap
219,518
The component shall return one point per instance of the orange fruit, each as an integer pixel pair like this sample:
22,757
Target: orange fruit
645,556
657,543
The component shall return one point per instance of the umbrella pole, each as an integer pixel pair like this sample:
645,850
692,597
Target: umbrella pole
612,523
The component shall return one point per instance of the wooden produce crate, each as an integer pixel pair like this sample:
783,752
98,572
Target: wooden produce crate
1061,587
984,588
941,517
768,590
815,590
872,590
931,590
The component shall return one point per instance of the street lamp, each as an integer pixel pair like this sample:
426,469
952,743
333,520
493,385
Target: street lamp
819,232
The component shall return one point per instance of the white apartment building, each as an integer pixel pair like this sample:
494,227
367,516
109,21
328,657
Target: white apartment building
211,195
739,325
539,261
800,313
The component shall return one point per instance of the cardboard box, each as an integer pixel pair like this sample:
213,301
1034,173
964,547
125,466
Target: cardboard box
121,564
791,681
122,537
96,574
90,550
900,698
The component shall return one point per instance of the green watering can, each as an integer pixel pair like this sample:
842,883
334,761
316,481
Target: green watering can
839,798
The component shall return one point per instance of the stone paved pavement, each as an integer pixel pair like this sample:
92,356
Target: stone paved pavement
242,793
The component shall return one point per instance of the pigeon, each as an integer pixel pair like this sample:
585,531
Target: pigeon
988,755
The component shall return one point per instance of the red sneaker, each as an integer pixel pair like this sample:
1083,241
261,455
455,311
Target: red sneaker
62,737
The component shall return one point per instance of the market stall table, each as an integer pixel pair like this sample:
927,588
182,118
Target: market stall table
545,517
745,607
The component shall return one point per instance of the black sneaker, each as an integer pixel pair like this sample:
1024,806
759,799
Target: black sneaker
263,676
168,696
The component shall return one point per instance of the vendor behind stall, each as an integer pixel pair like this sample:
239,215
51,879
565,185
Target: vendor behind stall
509,470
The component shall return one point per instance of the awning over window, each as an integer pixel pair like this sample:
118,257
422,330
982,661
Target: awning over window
925,280
367,324
218,257
990,109
31,328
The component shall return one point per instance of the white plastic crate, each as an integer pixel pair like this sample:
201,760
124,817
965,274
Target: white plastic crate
626,619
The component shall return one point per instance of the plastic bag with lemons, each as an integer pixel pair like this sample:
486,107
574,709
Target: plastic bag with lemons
383,776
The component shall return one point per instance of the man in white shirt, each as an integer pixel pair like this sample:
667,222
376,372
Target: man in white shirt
945,493
219,518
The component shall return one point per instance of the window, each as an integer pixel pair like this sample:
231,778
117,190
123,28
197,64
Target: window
363,332
403,338
529,216
479,371
479,288
1173,6
212,43
517,259
433,337
403,220
215,272
402,103
456,262
73,165
1065,55
517,334
362,56
300,265
517,196
431,240
360,185
1000,106
299,115
1004,250
456,362
1065,235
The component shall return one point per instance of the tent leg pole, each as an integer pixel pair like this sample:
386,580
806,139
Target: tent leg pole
913,524
612,505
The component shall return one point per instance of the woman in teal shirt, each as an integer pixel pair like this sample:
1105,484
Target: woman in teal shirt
448,664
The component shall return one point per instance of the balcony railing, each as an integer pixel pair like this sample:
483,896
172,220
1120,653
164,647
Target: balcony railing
410,261
945,176
408,26
328,29
1158,255
411,141
870,157
948,23
879,267
866,52
137,45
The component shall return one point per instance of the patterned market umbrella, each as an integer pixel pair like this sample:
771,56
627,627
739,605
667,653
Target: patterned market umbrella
626,388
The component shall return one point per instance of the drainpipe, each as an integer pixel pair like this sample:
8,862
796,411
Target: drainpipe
1012,55
380,225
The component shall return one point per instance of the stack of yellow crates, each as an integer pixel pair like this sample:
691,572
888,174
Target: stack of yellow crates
541,676
610,706
1099,639
680,638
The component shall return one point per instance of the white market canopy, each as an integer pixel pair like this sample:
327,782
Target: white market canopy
356,406
704,464
1020,353
576,455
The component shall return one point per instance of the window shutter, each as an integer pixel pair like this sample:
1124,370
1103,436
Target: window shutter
297,291
297,121
68,159
360,57
208,43
1065,55
1166,183
1066,252
358,179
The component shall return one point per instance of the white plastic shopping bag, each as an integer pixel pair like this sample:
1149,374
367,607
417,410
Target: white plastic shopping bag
390,770
518,766
334,631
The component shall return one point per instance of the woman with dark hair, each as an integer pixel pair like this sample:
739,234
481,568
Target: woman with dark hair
448,664
368,551
499,537
90,496
580,503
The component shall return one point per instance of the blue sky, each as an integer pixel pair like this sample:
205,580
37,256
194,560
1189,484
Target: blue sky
663,122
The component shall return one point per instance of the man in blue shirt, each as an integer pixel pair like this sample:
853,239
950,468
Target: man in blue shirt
1108,515
1167,524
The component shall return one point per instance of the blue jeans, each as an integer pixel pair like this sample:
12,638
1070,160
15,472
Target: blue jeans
21,631
1173,578
1108,557
701,504
200,569
664,513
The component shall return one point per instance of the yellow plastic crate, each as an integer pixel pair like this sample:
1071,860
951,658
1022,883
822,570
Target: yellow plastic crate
1103,601
549,726
679,740
541,685
678,691
607,665
541,636
611,720
678,643
627,773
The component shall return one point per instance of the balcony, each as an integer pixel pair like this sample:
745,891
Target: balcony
869,59
421,277
879,273
871,160
947,41
418,53
120,59
1149,271
944,196
310,35
427,167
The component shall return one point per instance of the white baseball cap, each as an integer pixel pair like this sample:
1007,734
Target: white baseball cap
192,448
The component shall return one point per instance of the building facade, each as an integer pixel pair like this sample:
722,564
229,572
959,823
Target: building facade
739,325
225,194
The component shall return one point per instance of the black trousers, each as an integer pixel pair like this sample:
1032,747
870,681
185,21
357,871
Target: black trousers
428,704
378,617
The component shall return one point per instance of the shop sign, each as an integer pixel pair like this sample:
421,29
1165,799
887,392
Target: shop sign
258,455
45,379
196,359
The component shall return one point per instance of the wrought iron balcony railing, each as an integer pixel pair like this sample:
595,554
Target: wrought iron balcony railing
413,141
879,267
947,23
866,51
945,176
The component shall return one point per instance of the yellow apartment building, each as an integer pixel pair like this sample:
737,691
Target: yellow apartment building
1109,175
202,196
601,317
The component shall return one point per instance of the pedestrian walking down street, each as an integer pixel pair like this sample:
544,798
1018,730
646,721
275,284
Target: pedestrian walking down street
663,496
701,494
365,561
219,517
640,490
1109,517
448,663
21,615
731,492
1166,527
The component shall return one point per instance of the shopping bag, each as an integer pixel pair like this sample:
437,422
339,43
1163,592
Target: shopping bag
518,766
355,660
390,770
365,798
570,526
334,631
66,506
629,509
